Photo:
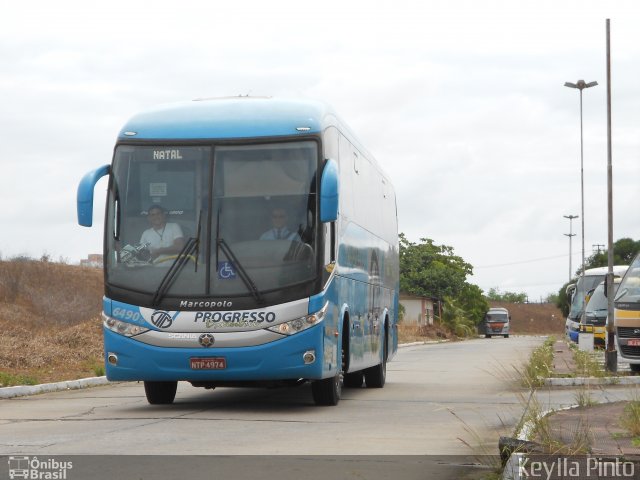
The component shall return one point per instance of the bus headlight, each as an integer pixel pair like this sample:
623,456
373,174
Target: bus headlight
122,328
298,325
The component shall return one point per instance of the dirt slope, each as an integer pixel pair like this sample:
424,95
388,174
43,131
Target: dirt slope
533,318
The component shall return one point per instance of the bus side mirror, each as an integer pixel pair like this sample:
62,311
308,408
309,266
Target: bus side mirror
329,192
606,283
85,195
570,291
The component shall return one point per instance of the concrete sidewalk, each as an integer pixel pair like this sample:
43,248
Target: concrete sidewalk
563,362
595,429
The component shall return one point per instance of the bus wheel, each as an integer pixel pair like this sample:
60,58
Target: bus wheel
376,376
327,391
160,393
353,380
635,367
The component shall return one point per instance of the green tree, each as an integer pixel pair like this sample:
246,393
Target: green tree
512,297
563,300
457,318
624,250
473,301
431,270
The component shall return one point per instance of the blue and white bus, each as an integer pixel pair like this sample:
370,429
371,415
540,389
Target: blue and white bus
221,302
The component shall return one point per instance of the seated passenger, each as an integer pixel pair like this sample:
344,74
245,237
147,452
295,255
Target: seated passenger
279,230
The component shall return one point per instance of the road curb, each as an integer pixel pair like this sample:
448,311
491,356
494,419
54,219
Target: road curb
587,381
428,342
24,390
512,469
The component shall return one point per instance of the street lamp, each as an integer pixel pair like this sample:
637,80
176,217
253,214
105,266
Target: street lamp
581,85
570,234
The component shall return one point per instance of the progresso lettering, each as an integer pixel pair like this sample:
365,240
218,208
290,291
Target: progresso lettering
235,317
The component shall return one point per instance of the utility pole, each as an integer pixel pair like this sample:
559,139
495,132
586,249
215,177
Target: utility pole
597,246
611,354
581,85
570,234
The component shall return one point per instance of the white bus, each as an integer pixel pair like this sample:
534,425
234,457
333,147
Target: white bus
579,292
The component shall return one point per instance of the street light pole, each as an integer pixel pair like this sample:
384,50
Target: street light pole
570,234
581,85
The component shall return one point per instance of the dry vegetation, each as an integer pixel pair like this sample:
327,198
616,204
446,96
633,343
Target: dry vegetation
420,333
50,327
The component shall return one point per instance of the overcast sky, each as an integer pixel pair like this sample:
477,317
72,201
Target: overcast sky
461,102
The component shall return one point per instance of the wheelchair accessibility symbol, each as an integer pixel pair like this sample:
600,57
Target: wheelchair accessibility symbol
226,271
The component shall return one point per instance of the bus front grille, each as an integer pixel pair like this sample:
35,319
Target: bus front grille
628,351
628,332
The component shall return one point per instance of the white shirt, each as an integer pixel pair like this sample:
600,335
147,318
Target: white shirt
279,234
163,238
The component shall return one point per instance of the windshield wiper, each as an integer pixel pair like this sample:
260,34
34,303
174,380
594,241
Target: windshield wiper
244,276
621,294
178,263
197,252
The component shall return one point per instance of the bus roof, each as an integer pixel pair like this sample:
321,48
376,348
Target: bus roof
230,117
617,270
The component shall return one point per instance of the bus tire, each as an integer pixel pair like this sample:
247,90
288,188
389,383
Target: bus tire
376,376
635,367
353,380
328,391
160,393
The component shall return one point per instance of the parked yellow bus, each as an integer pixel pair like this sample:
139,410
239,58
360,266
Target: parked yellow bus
627,316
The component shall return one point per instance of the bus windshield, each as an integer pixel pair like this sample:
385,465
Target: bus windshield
212,221
629,289
582,288
597,308
497,317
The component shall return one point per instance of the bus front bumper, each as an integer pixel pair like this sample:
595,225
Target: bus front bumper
127,359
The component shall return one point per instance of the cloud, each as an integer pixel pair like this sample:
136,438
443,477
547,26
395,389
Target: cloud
461,102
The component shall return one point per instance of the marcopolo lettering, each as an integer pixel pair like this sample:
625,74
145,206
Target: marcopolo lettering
206,304
235,317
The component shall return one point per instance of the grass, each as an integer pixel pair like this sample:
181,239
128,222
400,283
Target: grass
540,365
541,426
586,364
630,419
10,380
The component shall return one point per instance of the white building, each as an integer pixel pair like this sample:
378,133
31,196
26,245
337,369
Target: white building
418,310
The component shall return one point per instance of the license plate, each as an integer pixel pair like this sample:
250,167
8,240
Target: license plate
634,342
208,363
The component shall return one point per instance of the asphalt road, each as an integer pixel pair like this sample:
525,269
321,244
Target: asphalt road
440,401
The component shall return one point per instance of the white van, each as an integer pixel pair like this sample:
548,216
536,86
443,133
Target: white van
496,322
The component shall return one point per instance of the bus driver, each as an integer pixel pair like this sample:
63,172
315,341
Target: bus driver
163,239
